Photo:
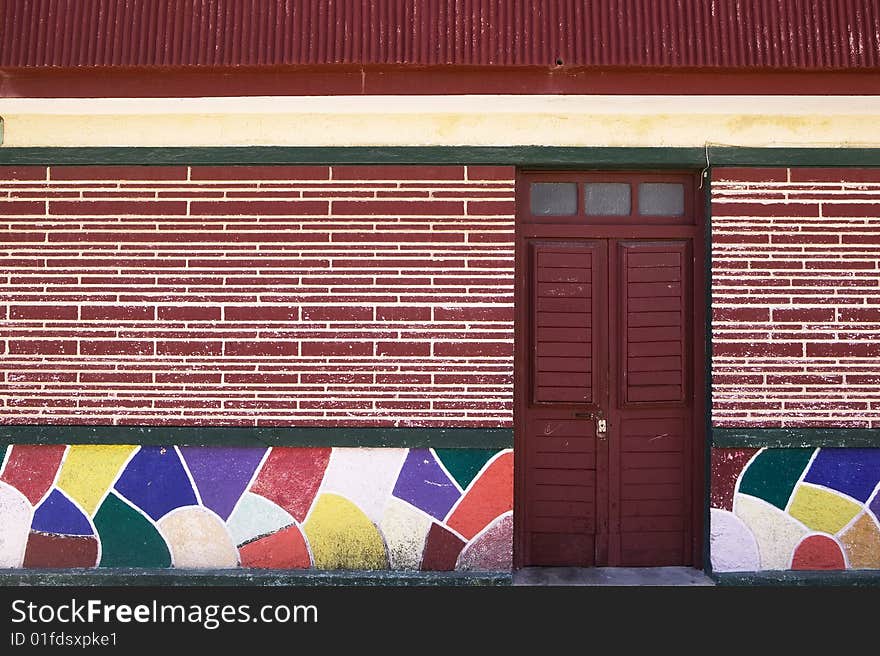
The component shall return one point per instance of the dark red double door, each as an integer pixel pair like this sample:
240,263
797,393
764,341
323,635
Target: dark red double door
607,447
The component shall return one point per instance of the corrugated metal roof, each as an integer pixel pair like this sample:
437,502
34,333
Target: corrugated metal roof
775,34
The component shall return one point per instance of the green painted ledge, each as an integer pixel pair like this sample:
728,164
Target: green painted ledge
253,578
789,578
303,436
793,438
525,156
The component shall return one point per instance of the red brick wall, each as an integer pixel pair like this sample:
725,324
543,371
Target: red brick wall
308,295
796,297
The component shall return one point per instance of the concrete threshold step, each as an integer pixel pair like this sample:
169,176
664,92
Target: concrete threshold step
611,576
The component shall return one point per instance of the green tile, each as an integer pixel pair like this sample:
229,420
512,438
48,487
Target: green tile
464,464
128,539
773,473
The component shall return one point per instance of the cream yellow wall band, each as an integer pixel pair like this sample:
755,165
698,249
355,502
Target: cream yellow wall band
472,120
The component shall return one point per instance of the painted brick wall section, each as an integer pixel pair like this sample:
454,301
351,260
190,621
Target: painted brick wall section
306,295
796,297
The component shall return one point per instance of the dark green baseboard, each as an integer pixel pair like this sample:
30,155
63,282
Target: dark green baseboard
776,578
253,578
363,578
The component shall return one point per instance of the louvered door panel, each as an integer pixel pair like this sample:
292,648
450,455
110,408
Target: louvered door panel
561,476
563,346
655,321
650,452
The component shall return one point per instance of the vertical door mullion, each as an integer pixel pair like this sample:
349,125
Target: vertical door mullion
601,378
616,341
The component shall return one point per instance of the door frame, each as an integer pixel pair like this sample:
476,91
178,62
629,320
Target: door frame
701,357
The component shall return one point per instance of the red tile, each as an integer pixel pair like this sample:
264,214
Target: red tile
387,172
22,172
31,469
117,312
48,312
491,173
727,465
116,208
488,496
736,174
285,549
250,172
117,173
441,549
291,476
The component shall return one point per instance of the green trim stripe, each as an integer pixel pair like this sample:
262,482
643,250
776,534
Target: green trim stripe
516,155
448,438
524,156
733,156
795,437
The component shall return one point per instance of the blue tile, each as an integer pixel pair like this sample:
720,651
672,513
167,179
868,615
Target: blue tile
423,483
156,482
221,474
854,472
58,514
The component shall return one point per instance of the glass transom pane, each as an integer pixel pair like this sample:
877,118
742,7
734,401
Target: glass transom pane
607,198
661,198
554,198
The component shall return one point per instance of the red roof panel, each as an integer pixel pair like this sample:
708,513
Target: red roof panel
808,35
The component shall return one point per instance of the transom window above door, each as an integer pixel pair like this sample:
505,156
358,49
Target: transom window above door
610,197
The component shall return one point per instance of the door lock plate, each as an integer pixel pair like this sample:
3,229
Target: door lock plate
601,426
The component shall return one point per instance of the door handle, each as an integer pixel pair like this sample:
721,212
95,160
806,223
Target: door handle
601,422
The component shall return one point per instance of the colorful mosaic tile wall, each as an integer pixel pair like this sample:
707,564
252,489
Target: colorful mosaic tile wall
799,509
279,508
